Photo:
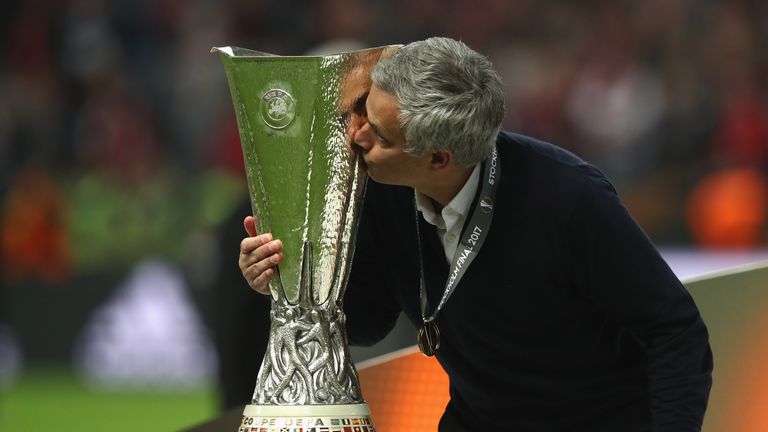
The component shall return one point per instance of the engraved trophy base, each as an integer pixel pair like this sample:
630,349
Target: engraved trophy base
307,418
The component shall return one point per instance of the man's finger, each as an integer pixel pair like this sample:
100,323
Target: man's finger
270,250
249,244
261,283
250,225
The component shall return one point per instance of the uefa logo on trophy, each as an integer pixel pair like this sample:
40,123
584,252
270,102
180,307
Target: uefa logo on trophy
306,187
277,108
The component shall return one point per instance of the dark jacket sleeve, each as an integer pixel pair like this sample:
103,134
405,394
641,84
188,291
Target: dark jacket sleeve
622,273
369,304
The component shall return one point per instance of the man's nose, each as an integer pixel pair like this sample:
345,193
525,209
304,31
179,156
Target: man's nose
362,137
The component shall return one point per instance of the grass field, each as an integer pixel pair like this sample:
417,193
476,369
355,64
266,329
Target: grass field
51,399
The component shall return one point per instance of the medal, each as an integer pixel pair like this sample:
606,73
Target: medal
429,338
471,240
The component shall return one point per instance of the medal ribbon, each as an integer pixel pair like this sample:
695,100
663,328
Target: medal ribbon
472,238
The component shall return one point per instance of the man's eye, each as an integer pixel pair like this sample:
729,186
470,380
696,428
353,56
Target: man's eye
381,139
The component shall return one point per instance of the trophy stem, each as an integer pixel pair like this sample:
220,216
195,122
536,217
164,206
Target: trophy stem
307,380
307,361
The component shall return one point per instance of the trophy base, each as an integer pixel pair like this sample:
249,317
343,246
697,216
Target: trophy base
307,418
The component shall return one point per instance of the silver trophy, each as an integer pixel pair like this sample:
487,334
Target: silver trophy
296,117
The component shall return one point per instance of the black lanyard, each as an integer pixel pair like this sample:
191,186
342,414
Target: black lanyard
472,238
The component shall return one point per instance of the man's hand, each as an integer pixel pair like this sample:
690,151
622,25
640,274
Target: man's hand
258,255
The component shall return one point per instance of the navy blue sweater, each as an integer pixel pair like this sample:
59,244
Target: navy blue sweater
567,320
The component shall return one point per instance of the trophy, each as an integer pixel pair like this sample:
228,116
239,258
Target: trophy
296,117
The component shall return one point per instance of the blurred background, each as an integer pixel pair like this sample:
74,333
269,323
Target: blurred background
122,188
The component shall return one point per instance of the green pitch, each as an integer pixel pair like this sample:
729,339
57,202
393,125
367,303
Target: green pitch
56,400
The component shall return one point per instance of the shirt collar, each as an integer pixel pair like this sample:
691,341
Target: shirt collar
456,210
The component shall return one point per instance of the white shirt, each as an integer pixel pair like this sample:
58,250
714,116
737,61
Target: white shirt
451,219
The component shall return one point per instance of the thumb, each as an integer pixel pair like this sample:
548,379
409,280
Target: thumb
250,225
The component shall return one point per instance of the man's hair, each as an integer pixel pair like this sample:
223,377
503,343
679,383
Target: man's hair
450,98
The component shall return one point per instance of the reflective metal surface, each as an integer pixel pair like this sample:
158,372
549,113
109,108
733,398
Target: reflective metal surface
296,117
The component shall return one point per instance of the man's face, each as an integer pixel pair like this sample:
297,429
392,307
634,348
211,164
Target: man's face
381,142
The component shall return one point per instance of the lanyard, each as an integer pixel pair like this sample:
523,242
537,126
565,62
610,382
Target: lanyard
472,238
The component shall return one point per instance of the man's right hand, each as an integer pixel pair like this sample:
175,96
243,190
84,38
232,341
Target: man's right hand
258,255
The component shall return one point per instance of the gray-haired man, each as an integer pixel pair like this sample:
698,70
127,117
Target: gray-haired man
543,300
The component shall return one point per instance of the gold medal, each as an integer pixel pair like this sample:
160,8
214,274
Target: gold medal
429,338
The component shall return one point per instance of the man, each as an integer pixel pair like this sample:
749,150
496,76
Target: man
543,300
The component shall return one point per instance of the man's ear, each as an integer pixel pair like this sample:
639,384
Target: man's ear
440,159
